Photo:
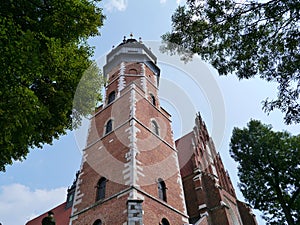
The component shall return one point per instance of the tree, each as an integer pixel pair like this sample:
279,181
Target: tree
249,38
43,54
269,171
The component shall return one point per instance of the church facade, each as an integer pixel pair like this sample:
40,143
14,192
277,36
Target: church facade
133,172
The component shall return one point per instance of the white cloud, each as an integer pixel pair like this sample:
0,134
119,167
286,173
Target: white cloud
179,2
162,1
18,203
119,5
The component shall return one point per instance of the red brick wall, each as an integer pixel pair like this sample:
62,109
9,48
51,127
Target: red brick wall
107,155
155,211
191,197
214,194
114,210
247,216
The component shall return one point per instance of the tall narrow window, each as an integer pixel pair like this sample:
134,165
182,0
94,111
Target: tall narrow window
108,127
153,101
111,97
154,127
164,221
97,222
162,194
101,189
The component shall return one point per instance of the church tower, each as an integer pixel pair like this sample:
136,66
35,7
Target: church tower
130,171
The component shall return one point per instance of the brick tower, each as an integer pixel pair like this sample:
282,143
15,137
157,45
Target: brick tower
130,171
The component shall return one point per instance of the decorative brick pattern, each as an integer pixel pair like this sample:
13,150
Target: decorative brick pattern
132,153
209,193
134,158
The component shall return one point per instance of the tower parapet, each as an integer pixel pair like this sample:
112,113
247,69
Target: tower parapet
131,50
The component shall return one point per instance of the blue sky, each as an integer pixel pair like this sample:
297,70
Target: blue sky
39,183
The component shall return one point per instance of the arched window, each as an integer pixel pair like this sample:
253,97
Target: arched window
153,100
162,194
154,127
101,189
164,221
108,127
111,97
97,222
133,71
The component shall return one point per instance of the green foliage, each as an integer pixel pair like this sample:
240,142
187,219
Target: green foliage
43,55
253,38
269,171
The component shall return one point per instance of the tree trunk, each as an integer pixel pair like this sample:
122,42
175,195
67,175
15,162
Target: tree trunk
282,202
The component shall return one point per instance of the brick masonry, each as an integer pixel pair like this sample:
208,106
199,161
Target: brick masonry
133,157
139,152
209,193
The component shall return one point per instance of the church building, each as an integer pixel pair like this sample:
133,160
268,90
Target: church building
133,172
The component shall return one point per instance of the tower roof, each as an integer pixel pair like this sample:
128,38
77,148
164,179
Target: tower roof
129,40
130,50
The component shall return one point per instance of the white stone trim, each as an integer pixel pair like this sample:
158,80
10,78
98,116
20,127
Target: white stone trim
132,169
185,221
204,214
72,219
222,203
155,79
78,195
203,206
144,85
121,81
143,70
179,181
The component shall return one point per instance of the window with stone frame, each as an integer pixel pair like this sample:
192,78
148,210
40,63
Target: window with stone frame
108,126
111,97
101,186
162,190
154,127
153,100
